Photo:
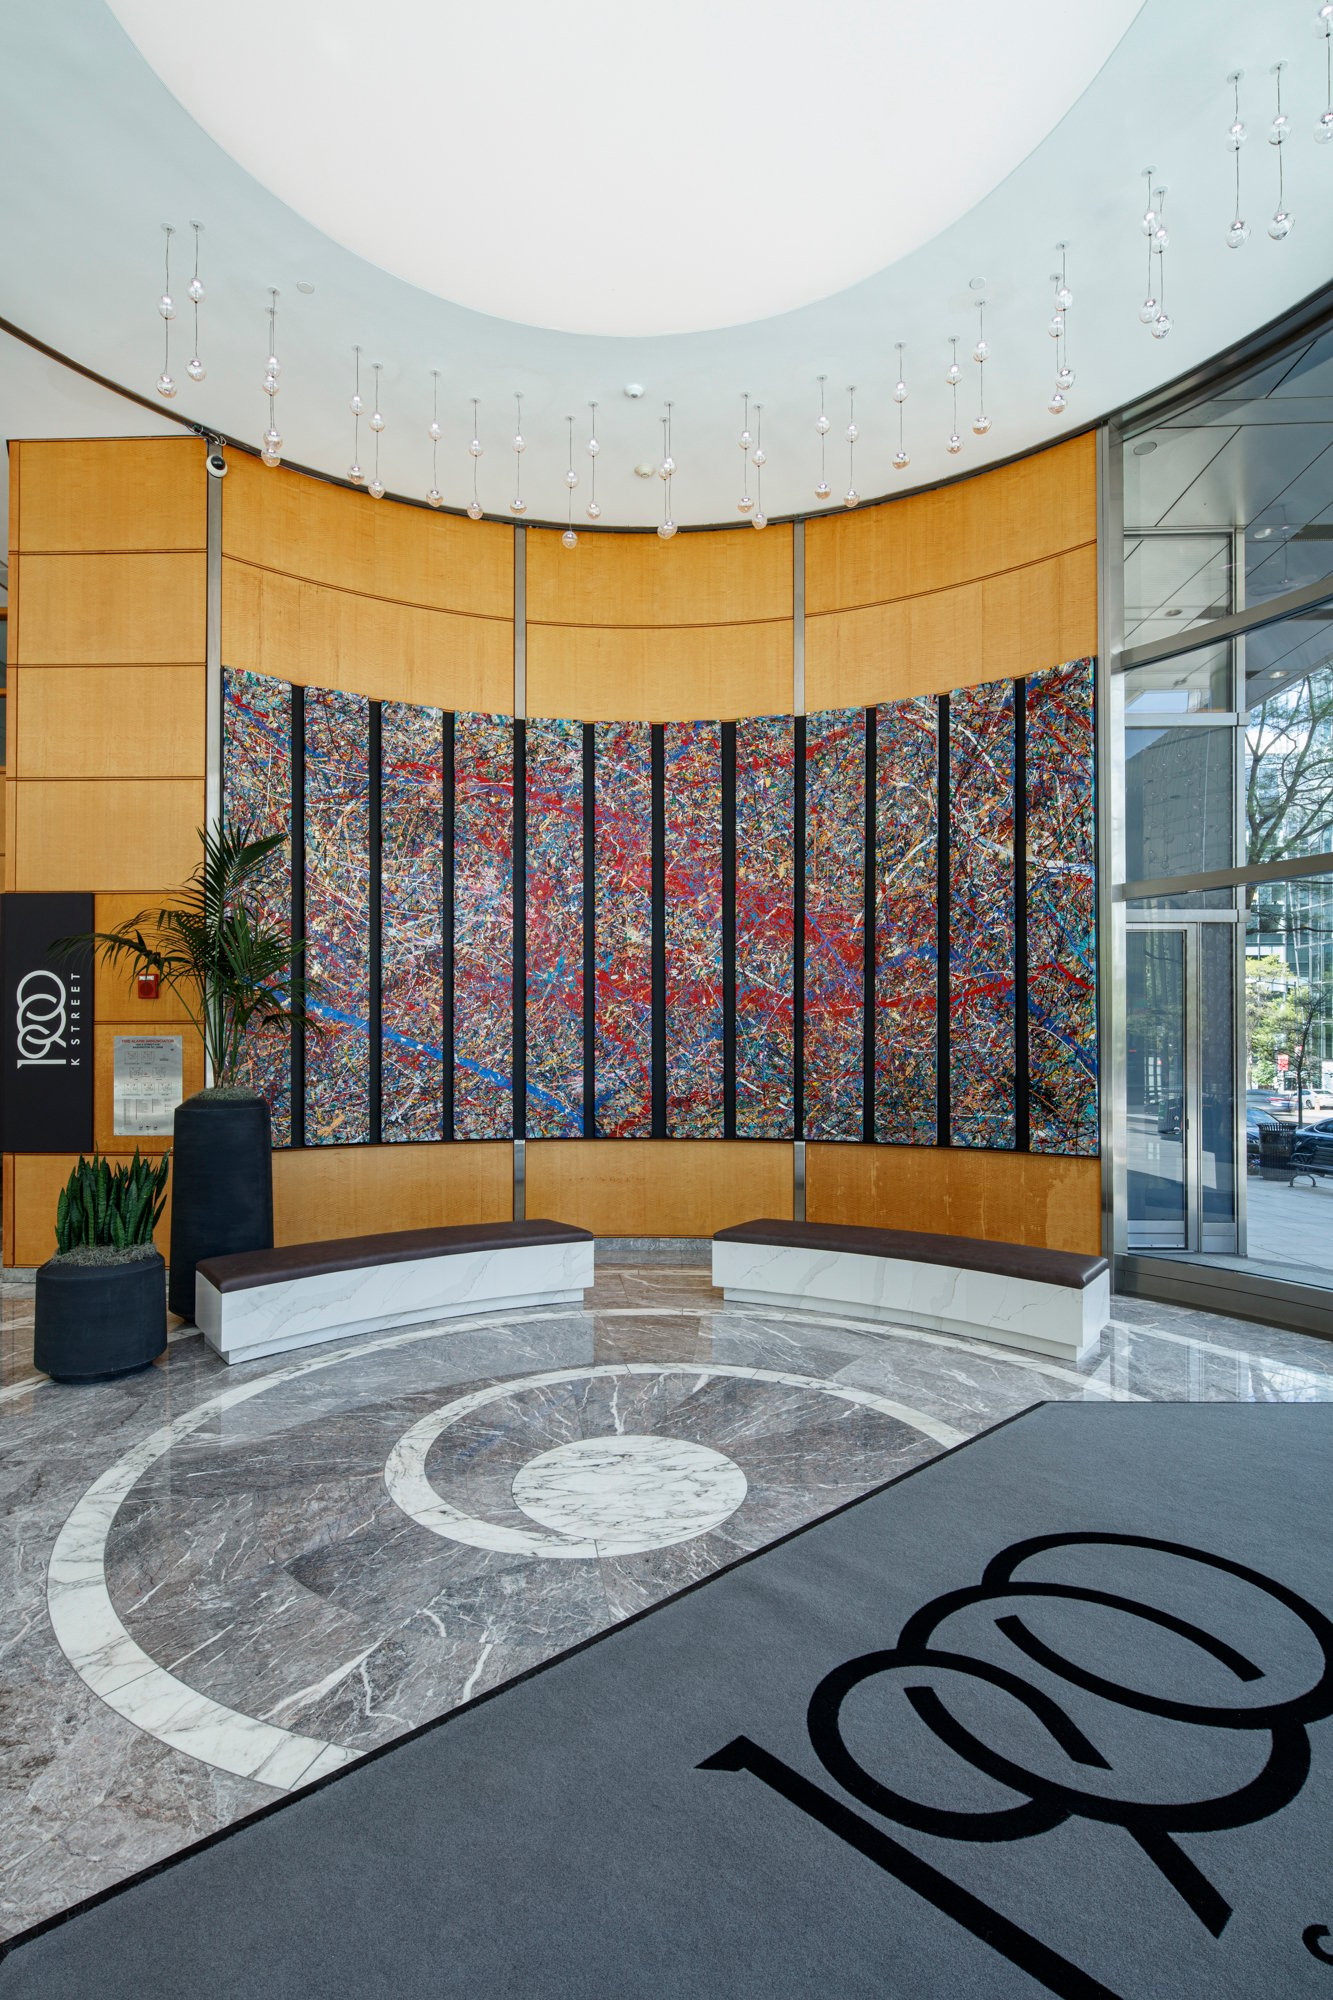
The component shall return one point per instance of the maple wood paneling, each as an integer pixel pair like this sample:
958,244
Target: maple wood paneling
115,996
727,578
324,637
1038,506
104,834
282,520
322,1192
91,494
953,1191
95,610
657,1187
1010,624
111,722
599,673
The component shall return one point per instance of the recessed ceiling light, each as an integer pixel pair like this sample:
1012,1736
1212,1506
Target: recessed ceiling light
304,285
1175,612
1263,534
976,284
646,470
1142,450
634,389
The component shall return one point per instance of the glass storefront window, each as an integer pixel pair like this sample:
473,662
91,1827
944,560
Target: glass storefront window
1189,684
1289,740
1289,1076
1179,802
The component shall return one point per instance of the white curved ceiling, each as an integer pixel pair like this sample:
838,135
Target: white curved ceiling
621,166
96,152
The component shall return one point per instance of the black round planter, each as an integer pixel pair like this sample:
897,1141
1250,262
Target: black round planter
94,1321
221,1187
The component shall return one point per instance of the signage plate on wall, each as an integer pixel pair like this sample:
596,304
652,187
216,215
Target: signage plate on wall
46,1044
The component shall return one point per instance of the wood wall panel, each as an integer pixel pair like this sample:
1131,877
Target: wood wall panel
599,673
1038,506
114,997
657,1187
702,579
322,637
105,834
111,722
1011,624
95,610
287,521
104,1057
36,1179
999,1197
322,1192
95,494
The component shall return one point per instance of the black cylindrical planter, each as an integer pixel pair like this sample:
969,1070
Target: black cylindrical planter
221,1187
93,1321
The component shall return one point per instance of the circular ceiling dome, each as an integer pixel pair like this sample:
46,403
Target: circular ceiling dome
617,166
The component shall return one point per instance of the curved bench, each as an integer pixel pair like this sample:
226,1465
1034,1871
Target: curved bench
265,1301
1049,1301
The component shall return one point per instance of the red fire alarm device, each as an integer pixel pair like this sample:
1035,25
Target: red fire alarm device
150,985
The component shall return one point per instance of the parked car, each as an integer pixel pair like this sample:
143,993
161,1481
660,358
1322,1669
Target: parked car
1251,1143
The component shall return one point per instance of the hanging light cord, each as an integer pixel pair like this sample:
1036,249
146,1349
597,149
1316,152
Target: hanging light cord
475,433
168,232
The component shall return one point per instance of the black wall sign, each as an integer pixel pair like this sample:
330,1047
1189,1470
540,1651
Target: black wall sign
46,1000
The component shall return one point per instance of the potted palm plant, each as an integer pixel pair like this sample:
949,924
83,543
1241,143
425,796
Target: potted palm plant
233,969
100,1308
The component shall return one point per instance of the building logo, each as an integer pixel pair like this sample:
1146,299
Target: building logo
974,1727
41,1019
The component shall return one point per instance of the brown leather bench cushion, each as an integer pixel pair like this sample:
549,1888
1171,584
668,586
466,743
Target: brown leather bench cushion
248,1268
919,1246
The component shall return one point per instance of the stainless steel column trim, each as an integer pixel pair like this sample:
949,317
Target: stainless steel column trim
1111,954
798,1180
798,618
520,622
520,1180
212,670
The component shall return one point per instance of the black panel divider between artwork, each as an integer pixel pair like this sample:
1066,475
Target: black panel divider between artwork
798,929
657,755
868,880
589,930
447,924
942,928
729,930
374,856
1022,1081
298,905
520,1008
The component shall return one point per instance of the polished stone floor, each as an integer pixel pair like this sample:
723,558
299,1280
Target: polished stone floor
221,1583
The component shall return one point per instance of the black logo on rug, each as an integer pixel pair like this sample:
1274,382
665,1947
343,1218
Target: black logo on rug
1275,1728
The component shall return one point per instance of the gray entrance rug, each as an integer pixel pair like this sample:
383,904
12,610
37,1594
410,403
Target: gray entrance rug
1050,1715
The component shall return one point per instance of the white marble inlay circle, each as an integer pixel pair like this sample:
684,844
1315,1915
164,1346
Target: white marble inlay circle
630,1493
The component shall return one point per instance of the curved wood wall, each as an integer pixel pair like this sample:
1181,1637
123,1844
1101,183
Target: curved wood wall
987,578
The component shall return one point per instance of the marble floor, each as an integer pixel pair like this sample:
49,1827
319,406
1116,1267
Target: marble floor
220,1583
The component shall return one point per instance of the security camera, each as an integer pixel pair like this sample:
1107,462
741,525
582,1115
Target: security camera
217,464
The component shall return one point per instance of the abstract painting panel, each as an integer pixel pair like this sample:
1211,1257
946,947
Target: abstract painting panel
1061,912
693,929
981,916
765,914
624,930
483,927
411,922
337,916
835,772
907,777
555,928
257,794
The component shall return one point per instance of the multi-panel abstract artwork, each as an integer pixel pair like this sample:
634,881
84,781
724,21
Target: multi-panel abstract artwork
861,924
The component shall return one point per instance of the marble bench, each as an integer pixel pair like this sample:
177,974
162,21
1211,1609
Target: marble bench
1046,1301
265,1301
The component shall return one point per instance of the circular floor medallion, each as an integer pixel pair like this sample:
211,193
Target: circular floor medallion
634,1493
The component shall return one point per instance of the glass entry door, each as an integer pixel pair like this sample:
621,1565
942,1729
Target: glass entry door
1180,1088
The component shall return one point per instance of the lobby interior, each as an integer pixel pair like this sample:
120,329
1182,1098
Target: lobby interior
701,1361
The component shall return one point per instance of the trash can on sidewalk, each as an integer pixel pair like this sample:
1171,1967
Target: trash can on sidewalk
1276,1143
